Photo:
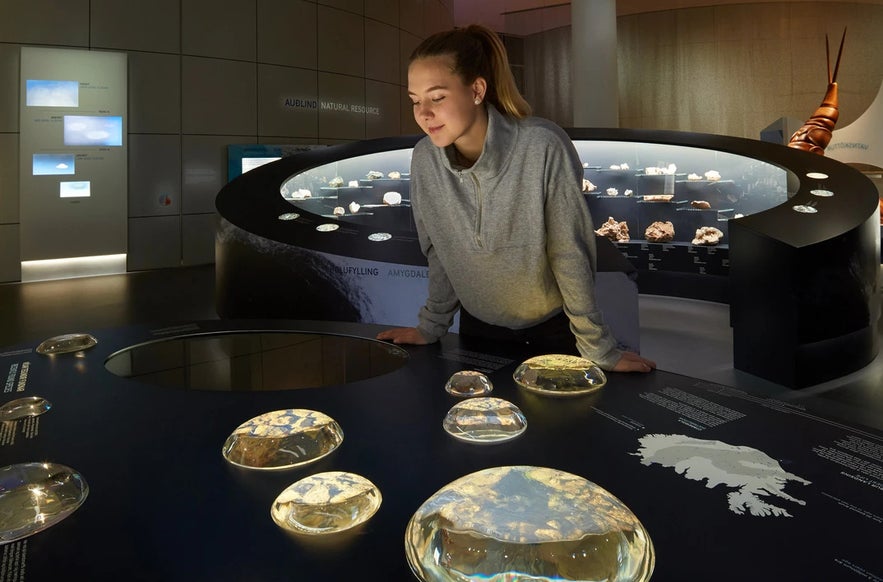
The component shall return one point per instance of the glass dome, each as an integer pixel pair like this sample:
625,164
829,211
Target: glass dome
559,375
326,503
485,421
282,439
530,524
468,383
35,496
67,343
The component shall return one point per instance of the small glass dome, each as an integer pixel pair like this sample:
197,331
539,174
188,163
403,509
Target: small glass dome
485,421
35,496
24,407
559,375
527,523
282,439
67,343
326,503
469,383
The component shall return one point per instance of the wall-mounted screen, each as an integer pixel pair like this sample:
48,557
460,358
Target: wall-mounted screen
53,165
93,130
52,93
75,190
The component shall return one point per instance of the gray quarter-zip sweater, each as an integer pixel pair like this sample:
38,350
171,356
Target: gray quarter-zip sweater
510,239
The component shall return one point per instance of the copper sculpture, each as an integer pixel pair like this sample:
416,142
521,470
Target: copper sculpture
814,135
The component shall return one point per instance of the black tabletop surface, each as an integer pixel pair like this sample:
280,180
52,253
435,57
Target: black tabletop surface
747,488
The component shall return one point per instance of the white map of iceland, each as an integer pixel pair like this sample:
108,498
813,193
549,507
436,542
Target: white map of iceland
758,480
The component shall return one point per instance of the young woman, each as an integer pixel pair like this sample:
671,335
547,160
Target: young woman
496,196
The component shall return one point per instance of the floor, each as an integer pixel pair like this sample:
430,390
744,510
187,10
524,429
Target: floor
684,336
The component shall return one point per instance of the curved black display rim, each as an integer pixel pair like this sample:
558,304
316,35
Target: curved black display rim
253,201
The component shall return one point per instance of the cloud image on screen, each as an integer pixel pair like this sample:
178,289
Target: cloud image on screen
52,93
75,190
53,165
93,130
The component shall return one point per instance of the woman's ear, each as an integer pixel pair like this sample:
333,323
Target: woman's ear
479,89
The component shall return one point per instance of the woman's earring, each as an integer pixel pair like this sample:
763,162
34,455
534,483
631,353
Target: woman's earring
478,100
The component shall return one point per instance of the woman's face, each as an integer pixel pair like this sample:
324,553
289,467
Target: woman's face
444,106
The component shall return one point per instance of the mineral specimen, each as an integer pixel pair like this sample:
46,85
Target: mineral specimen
353,183
392,198
374,175
660,232
628,193
302,194
615,231
336,182
707,235
712,175
694,177
658,197
588,186
394,175
612,192
338,211
704,204
354,207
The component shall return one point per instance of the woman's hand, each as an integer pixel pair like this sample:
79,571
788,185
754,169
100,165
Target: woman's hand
632,362
403,335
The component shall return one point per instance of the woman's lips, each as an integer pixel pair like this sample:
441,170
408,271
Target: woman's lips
435,129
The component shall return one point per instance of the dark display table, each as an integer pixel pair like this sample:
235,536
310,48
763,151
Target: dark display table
757,489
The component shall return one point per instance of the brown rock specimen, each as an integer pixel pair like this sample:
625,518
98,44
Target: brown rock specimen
615,231
660,232
704,204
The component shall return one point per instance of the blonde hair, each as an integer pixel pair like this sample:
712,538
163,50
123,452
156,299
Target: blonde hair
477,51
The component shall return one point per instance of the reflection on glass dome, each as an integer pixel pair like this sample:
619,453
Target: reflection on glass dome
379,236
805,209
822,193
485,421
527,523
35,496
24,407
326,503
67,343
327,227
559,375
468,383
289,216
282,439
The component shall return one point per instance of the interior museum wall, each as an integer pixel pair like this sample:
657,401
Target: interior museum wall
729,70
207,73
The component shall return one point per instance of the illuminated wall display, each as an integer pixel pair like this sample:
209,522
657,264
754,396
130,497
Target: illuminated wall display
73,160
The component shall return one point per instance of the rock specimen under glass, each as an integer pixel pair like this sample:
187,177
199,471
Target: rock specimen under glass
468,383
588,186
392,198
702,204
354,207
707,235
559,375
379,236
658,197
805,209
67,343
326,503
615,231
353,184
693,177
821,193
338,211
484,421
327,227
628,192
660,232
612,192
375,175
394,175
289,216
282,439
24,408
712,175
336,182
302,194
35,496
527,523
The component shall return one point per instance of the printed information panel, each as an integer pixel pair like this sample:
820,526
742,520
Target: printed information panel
731,485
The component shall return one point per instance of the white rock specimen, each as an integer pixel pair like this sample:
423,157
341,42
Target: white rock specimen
588,186
612,192
336,182
394,175
374,175
354,207
628,193
353,183
712,175
392,198
707,235
694,177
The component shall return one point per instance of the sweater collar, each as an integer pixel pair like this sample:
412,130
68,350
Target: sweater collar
498,146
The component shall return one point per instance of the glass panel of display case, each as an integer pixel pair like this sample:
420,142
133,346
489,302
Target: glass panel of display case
527,523
256,361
